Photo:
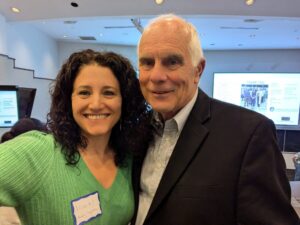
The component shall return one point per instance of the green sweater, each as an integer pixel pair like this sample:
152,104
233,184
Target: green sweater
35,179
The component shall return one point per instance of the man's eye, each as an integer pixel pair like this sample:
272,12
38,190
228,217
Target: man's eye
147,63
173,62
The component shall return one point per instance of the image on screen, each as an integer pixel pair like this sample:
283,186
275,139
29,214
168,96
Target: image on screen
275,95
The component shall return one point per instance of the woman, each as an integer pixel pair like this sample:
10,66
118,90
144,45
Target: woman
80,172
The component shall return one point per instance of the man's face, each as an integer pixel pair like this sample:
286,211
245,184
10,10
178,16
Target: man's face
167,77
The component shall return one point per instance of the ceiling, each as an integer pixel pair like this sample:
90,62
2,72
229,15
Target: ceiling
226,24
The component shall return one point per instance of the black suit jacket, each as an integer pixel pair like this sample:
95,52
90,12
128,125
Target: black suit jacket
226,169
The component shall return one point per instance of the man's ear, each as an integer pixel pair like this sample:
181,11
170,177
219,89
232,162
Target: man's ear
199,70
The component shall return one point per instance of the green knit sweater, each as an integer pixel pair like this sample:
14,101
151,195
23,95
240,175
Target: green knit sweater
35,179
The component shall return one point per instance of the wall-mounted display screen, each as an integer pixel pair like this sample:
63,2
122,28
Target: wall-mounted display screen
275,95
9,113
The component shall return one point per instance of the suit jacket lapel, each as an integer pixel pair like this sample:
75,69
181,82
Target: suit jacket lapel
192,135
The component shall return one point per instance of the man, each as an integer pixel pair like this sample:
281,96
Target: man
213,163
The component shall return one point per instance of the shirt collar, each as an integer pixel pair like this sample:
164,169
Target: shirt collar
183,114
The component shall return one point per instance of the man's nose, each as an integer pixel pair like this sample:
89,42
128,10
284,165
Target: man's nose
158,73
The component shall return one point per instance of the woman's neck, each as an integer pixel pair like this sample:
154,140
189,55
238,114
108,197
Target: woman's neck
97,147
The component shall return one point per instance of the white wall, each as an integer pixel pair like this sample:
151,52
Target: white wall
3,43
67,48
32,49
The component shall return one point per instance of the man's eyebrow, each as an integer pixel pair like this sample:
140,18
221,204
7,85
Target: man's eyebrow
176,57
145,58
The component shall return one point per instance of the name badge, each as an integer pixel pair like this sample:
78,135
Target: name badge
86,208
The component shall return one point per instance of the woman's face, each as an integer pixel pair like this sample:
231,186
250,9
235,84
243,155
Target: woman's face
96,100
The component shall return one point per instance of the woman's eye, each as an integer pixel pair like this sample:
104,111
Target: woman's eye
109,93
84,93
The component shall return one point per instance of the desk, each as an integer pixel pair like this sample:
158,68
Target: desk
295,188
288,158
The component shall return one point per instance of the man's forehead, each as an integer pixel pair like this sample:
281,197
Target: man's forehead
170,25
163,41
160,55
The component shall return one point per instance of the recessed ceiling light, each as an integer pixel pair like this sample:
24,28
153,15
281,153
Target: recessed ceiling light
65,36
249,2
252,20
74,4
15,10
159,2
70,21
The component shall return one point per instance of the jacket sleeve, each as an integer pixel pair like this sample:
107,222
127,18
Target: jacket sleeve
264,193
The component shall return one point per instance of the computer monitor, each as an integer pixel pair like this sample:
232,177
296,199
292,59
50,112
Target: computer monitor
9,113
275,95
25,99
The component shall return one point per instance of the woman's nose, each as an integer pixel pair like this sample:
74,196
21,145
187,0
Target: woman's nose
96,101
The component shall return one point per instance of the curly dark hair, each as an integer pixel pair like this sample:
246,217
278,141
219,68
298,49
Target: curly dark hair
132,133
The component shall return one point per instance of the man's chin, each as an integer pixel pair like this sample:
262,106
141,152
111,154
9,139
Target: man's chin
166,112
161,108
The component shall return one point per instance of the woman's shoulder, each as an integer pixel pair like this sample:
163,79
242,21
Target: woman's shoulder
36,134
36,137
30,143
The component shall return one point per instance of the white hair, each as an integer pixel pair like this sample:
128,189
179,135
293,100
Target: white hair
194,43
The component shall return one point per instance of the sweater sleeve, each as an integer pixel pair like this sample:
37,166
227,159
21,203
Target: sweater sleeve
24,161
